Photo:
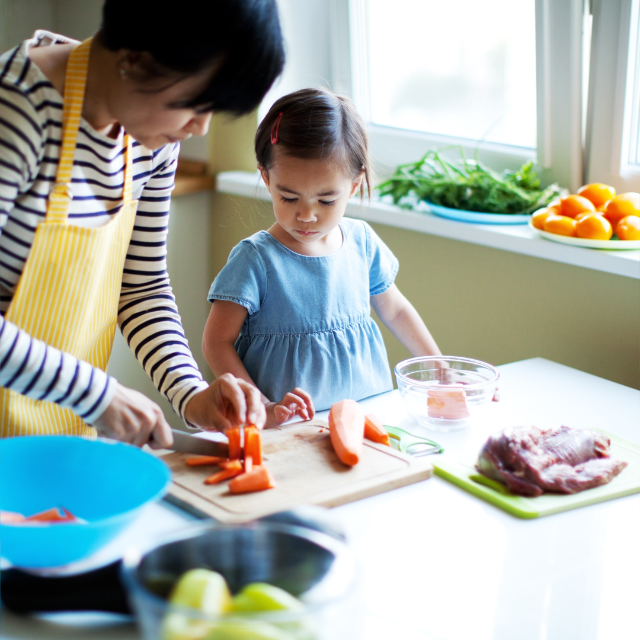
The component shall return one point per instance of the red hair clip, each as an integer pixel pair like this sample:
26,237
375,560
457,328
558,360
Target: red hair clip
276,125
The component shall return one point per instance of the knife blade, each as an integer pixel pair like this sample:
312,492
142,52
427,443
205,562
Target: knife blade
186,443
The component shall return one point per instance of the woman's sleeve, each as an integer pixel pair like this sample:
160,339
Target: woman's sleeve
28,366
383,265
242,280
148,315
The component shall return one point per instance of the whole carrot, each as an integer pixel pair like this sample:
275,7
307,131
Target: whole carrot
346,426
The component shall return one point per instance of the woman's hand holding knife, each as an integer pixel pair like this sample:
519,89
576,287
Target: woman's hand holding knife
228,402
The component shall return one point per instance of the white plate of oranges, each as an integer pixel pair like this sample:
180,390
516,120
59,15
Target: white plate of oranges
595,217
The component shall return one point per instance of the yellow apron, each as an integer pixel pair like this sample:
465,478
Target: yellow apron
69,290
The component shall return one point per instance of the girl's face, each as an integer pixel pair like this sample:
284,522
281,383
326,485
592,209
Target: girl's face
309,200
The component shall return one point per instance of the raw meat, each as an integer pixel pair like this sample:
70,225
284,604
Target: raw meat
531,461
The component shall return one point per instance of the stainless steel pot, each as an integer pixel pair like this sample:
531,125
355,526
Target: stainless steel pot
308,564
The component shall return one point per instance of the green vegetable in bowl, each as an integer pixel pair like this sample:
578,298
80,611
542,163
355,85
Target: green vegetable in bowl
207,592
467,185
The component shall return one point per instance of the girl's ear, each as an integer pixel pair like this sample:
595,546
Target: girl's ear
357,183
265,176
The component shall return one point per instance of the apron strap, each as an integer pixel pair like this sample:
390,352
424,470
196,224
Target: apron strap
74,88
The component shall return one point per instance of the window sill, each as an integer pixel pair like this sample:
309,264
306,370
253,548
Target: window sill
514,238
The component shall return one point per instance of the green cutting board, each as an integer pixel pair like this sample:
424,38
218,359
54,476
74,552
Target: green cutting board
464,474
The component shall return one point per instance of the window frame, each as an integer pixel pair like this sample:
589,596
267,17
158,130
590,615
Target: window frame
558,96
609,106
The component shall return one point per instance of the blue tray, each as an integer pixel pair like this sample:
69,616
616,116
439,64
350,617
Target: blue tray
474,216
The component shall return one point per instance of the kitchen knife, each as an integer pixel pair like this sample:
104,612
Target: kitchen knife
186,443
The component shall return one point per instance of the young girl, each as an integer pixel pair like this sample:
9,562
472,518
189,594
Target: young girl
291,308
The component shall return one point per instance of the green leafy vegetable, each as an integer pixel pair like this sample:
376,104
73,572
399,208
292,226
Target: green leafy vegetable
467,185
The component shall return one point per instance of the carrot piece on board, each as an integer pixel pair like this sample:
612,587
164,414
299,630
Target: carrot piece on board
248,463
234,465
223,475
199,461
373,430
258,479
253,444
346,426
235,446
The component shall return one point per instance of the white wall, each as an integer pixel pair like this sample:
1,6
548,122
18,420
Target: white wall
20,18
306,28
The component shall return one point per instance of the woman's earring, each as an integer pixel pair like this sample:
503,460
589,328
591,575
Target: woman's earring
122,72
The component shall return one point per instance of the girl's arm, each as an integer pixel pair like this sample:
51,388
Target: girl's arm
220,334
400,317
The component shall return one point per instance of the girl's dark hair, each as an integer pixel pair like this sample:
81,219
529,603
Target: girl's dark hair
187,36
316,124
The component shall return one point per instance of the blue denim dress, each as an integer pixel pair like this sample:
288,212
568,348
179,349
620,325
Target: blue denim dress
309,321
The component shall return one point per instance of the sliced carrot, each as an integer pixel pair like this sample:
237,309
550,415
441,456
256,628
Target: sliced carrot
373,430
51,515
449,403
259,479
346,426
253,444
235,446
234,465
199,461
248,464
223,475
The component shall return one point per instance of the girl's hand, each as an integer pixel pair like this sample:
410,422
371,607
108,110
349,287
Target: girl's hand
131,417
295,403
228,402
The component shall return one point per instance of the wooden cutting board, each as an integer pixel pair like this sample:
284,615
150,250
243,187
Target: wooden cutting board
307,471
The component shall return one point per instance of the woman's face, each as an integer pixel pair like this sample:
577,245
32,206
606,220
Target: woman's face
153,112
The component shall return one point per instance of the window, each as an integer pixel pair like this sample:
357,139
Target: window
613,110
517,79
462,68
631,129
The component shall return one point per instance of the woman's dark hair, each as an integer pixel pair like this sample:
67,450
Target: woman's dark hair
316,124
187,36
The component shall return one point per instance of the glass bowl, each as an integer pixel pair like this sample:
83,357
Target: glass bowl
444,392
312,566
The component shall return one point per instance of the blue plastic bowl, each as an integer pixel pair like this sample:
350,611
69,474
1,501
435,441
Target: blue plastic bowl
103,482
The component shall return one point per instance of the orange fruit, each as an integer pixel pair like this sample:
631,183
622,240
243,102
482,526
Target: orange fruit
584,214
572,205
621,206
629,228
538,218
594,227
561,225
597,193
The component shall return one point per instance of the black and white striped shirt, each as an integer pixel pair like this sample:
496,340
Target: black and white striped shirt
30,142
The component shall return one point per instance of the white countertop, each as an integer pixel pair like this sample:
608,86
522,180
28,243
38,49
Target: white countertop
441,564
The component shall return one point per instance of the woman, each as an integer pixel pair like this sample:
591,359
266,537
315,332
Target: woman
85,186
